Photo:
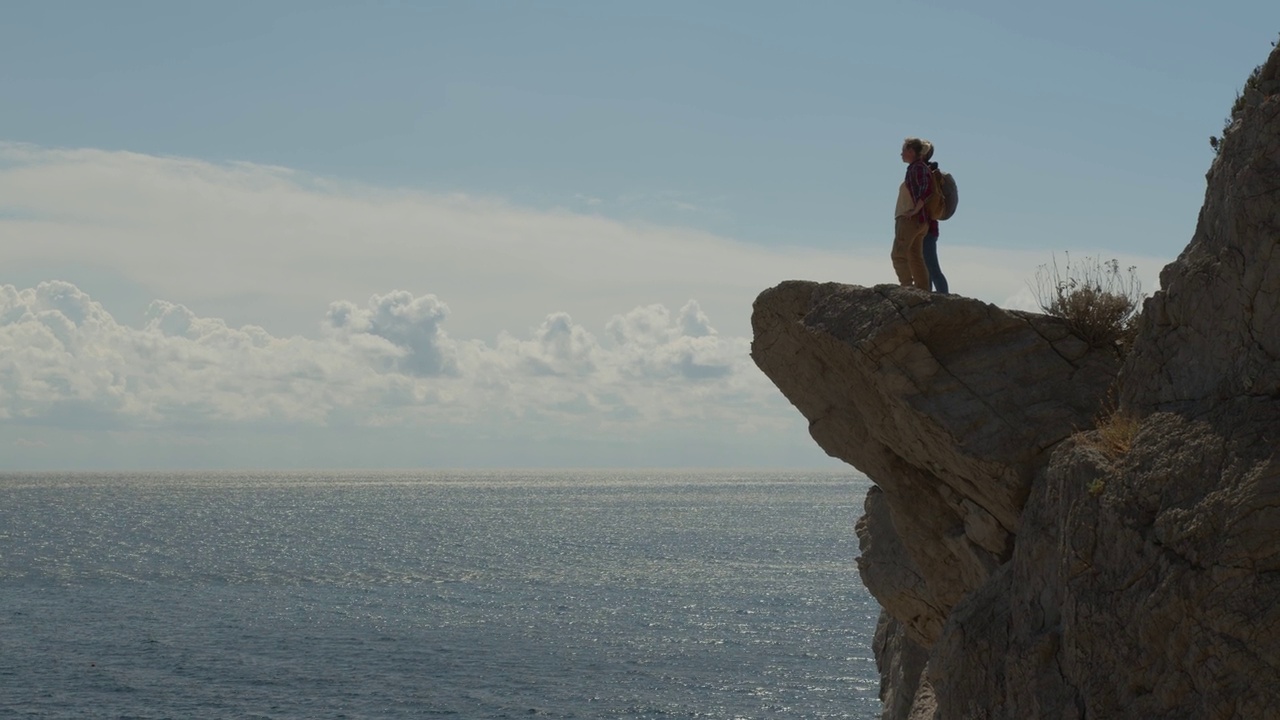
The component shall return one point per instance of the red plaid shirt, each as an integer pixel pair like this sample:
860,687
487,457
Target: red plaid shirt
920,184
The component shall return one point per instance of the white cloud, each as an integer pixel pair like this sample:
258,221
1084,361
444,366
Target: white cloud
317,308
559,348
401,328
270,246
656,345
65,361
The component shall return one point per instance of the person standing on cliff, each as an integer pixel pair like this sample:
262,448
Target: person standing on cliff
930,243
910,222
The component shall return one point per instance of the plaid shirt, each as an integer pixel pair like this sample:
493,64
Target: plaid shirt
920,184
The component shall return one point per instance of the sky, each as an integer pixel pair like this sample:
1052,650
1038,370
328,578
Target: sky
383,233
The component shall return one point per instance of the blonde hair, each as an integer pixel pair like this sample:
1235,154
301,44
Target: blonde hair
916,144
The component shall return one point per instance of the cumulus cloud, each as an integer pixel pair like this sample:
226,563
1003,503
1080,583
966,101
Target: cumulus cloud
654,344
559,347
410,325
65,361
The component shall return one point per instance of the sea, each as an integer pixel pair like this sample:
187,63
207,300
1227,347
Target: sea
511,594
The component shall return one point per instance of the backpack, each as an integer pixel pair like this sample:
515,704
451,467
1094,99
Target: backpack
941,204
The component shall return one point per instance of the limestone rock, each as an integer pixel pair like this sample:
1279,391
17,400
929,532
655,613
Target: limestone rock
949,404
1147,584
1210,335
1143,586
1026,569
885,566
901,662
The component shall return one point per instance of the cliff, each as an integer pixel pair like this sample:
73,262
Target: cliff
1027,566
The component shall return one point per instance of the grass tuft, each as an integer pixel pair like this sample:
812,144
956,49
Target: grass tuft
1099,302
1114,434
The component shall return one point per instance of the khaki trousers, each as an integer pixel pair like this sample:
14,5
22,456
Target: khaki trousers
908,252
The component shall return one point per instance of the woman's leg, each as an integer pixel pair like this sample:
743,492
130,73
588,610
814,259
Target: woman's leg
915,257
936,277
902,230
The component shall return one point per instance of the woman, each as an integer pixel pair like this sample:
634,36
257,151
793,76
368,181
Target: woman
910,222
930,243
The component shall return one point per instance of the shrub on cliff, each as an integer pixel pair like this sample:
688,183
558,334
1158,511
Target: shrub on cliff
1113,435
1099,302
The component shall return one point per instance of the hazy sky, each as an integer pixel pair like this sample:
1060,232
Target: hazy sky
379,233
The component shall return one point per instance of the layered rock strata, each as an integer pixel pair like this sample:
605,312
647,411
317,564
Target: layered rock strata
1029,565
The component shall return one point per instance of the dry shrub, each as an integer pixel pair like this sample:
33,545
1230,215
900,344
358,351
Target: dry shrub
1099,302
1112,437
1114,434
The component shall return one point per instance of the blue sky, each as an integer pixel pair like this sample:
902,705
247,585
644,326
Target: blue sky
256,163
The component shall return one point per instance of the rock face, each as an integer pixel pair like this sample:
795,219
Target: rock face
948,404
1025,568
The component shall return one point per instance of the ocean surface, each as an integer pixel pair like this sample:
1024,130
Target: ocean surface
419,595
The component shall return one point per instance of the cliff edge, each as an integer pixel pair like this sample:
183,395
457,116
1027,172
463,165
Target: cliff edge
1054,532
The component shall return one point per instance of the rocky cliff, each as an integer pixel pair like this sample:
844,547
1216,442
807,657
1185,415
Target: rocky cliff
1029,564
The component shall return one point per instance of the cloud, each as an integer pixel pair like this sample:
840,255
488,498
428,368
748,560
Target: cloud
263,303
657,345
65,362
560,348
412,326
270,246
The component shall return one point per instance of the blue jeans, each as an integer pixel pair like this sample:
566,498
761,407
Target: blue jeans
936,278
